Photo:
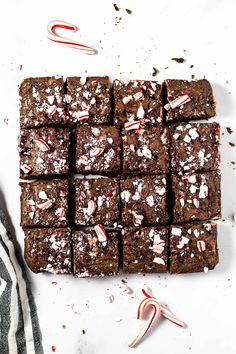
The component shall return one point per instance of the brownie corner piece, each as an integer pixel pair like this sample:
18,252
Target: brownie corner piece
187,100
145,249
98,149
96,201
48,249
44,203
144,200
193,248
145,150
93,255
197,196
139,102
44,152
195,147
42,102
88,100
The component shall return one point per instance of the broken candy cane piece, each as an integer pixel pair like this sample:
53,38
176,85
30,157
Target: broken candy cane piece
68,98
138,218
96,152
127,99
101,234
51,110
91,207
42,145
138,96
25,168
83,160
45,205
179,101
82,115
132,125
201,245
60,213
52,26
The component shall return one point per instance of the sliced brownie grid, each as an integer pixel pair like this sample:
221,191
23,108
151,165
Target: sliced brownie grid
137,155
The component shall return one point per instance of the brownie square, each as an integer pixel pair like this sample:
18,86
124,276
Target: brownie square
189,100
195,147
145,249
193,248
146,151
48,249
96,201
98,150
137,101
197,196
42,102
95,256
144,200
44,203
44,152
88,100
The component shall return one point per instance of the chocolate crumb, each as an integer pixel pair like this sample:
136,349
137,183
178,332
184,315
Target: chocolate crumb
116,7
192,76
229,130
178,60
223,220
128,11
63,326
155,71
83,331
167,67
231,144
191,66
232,162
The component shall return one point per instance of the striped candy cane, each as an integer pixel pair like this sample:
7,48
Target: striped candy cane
54,37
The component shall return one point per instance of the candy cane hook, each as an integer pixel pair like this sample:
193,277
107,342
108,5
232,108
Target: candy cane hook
54,37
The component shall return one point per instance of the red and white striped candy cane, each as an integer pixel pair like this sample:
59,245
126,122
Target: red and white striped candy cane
54,37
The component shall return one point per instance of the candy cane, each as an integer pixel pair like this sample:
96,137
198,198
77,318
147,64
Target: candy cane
52,26
101,234
158,310
151,320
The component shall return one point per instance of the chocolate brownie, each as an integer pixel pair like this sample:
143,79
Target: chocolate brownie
95,254
193,248
44,203
146,151
48,249
97,150
137,101
88,100
96,201
42,102
145,249
195,147
197,196
189,100
144,200
43,152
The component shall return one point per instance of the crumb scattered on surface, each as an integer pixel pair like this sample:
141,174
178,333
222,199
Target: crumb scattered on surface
231,144
192,76
53,348
155,71
6,121
116,7
191,66
178,60
226,81
167,67
119,320
128,11
19,67
54,282
229,130
74,309
232,162
83,331
63,326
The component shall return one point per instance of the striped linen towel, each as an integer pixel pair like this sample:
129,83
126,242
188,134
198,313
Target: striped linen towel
19,327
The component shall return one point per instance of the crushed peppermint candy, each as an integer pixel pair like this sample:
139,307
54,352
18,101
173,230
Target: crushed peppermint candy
42,145
201,245
159,260
203,193
177,102
101,234
91,207
138,96
132,125
45,205
25,168
184,241
95,152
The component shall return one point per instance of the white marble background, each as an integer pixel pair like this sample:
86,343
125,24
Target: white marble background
201,31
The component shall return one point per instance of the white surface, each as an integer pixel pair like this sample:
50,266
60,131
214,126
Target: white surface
154,33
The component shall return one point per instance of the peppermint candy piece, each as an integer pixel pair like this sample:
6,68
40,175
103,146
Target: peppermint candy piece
60,213
68,99
132,125
138,218
127,99
45,205
201,245
96,152
82,115
138,96
51,110
42,145
101,234
91,207
140,112
106,100
25,168
179,101
203,193
83,160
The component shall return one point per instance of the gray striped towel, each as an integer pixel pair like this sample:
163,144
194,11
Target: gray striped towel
19,327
